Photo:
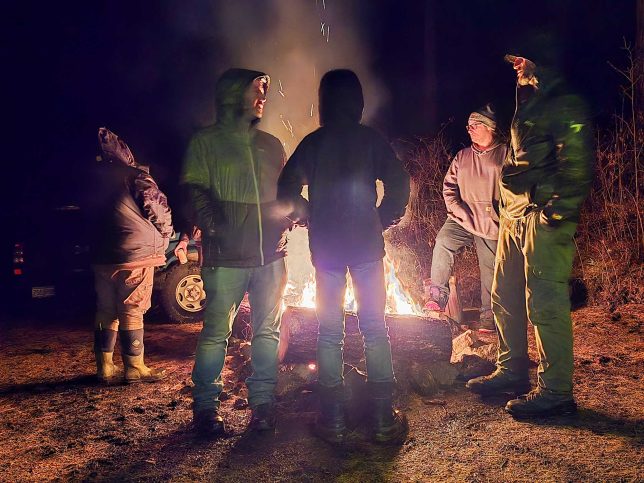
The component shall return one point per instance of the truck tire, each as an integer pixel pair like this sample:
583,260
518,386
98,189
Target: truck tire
182,296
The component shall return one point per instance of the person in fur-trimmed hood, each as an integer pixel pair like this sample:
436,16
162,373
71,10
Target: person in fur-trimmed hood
130,228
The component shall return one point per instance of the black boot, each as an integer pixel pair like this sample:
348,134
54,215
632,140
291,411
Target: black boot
263,418
389,426
330,424
207,422
501,382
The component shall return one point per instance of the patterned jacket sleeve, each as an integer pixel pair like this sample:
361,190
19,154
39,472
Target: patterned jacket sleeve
153,204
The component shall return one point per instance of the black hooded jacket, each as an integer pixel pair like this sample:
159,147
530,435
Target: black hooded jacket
340,162
230,171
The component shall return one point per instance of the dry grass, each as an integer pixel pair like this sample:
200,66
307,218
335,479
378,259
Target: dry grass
427,161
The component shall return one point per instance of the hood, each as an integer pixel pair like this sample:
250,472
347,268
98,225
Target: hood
113,149
229,92
340,98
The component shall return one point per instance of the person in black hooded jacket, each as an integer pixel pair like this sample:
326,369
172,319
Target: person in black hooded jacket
340,162
230,171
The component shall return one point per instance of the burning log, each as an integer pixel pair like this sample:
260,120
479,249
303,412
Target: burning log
413,338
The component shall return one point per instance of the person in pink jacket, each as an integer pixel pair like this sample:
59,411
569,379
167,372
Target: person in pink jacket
471,194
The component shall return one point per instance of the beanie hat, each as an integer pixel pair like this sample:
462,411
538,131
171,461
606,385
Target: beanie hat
484,115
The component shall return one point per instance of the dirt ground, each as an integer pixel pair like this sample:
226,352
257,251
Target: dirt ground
57,424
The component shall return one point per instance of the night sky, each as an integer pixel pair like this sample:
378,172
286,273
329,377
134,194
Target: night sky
146,69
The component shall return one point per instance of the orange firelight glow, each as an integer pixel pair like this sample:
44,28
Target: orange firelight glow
300,288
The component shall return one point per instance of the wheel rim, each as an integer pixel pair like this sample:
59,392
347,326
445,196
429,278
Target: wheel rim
190,294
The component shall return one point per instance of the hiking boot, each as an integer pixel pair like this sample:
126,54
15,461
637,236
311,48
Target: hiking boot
263,418
499,382
485,322
208,422
389,426
437,298
136,371
433,310
330,424
540,403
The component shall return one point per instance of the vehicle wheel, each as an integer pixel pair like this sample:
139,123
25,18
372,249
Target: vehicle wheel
183,297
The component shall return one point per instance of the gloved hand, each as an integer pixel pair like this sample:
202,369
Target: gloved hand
182,245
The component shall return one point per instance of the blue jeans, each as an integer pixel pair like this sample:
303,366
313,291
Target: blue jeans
450,239
226,288
369,286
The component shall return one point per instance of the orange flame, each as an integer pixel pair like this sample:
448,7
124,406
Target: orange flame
300,288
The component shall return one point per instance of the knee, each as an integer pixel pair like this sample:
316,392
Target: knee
331,339
131,321
214,333
548,302
375,333
106,321
441,242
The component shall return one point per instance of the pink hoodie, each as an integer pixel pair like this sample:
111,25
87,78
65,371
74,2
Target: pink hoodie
471,189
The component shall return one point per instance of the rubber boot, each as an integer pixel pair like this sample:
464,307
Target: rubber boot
132,353
104,341
105,368
330,425
389,426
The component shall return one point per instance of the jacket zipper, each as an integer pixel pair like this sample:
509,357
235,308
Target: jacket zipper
259,209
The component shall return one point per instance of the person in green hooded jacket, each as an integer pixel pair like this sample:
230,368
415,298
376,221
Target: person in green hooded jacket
543,184
230,171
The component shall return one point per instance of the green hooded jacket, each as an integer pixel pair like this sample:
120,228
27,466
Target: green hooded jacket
550,166
230,171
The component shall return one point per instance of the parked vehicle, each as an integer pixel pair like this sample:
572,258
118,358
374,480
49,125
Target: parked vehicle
178,287
50,269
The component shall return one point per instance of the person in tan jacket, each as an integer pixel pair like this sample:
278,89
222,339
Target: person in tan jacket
471,194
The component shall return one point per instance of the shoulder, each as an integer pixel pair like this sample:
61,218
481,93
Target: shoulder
267,141
141,175
465,153
203,134
266,138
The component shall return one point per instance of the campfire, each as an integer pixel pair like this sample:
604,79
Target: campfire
300,287
410,331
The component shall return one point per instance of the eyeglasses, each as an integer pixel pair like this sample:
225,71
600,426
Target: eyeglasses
474,125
